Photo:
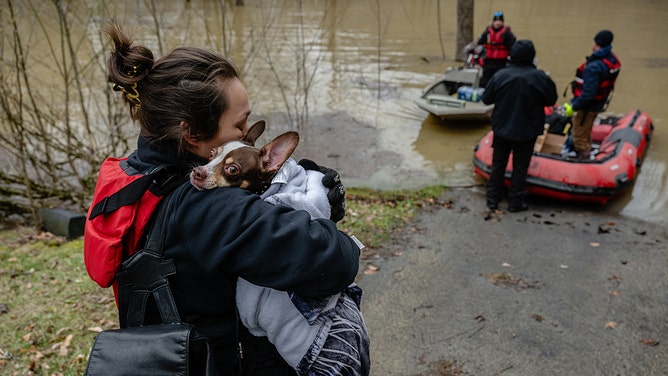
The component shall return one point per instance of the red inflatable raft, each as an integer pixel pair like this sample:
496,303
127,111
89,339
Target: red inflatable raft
621,143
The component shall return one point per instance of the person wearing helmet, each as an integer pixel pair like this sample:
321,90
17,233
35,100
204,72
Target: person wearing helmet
497,39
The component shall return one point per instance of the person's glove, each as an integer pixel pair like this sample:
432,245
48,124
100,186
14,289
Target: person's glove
337,193
568,109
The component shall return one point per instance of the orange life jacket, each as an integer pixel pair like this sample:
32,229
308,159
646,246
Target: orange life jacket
605,86
495,47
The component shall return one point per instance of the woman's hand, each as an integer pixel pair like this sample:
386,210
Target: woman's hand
337,193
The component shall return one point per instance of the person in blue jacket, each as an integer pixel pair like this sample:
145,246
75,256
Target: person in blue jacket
592,87
187,103
519,93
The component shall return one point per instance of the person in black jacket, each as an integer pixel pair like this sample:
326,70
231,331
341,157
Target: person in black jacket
519,93
187,103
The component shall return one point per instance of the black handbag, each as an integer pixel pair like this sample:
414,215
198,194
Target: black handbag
171,347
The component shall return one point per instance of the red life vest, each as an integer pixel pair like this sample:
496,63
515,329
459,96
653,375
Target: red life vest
122,206
495,47
605,86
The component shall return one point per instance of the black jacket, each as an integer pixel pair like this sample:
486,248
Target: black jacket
519,93
218,235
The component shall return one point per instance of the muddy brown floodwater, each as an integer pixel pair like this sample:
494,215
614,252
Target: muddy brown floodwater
364,122
345,75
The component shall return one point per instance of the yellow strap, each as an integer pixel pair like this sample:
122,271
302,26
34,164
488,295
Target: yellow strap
566,128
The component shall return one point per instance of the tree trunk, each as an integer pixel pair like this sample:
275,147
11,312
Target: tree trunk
440,31
464,26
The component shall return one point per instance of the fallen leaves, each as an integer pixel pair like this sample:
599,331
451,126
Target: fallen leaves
449,367
44,236
611,325
508,280
649,342
371,269
5,354
493,215
537,317
605,228
63,347
102,323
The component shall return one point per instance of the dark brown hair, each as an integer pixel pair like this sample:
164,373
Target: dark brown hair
184,85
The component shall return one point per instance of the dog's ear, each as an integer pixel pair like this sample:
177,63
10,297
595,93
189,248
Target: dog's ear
276,152
255,132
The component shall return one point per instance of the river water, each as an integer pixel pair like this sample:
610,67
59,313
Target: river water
371,59
376,60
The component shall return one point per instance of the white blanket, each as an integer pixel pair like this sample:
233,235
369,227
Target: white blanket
298,188
271,313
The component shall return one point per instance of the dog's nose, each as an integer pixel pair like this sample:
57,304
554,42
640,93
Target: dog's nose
199,173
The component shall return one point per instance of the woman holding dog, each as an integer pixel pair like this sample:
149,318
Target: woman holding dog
187,103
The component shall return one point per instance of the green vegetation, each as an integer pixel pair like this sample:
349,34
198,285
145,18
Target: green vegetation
372,216
50,310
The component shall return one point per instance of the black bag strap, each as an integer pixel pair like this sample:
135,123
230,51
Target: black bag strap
161,181
145,274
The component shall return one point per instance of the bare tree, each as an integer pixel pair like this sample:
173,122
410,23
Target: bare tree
58,117
46,101
295,82
440,29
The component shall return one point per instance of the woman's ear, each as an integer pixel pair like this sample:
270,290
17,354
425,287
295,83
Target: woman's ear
185,132
193,144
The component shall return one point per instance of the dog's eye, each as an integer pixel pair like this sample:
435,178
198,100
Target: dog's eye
213,153
232,170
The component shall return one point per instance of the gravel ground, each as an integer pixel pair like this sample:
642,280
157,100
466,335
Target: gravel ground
556,290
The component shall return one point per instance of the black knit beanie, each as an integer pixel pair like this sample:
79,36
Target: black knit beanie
603,38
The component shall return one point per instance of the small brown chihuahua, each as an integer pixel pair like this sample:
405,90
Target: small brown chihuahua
240,164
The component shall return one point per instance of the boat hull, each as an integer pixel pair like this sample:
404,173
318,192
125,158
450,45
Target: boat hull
613,171
439,98
454,109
